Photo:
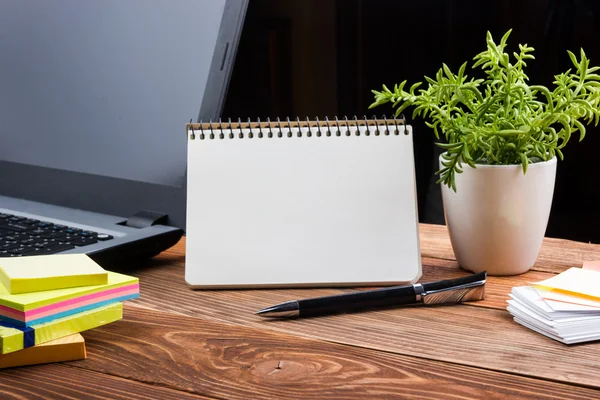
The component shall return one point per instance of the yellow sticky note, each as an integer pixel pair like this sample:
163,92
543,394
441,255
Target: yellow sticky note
575,281
49,272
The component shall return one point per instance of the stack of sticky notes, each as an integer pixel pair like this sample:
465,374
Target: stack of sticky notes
565,307
50,297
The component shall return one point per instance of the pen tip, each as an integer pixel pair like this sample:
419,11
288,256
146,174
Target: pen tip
263,312
283,310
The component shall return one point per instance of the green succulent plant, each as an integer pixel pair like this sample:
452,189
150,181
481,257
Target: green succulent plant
500,119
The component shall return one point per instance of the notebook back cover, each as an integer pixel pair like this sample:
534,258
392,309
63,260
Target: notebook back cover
314,210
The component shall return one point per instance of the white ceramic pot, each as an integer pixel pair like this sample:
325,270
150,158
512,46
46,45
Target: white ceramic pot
498,216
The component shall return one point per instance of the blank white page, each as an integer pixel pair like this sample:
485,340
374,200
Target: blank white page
302,211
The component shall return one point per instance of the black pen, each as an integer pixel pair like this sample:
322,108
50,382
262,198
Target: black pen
469,288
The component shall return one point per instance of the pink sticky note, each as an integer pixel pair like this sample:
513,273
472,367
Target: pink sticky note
592,265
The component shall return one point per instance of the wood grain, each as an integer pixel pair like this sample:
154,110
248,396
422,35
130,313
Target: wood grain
474,336
55,381
228,362
556,255
425,332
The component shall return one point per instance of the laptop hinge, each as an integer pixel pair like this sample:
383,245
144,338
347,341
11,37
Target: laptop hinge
146,218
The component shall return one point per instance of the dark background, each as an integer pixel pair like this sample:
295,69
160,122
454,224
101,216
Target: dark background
321,58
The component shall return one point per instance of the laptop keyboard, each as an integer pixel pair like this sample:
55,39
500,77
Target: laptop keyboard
21,236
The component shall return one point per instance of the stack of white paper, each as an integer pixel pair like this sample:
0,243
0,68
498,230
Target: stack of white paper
565,307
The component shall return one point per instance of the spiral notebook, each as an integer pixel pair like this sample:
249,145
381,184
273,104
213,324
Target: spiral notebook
301,203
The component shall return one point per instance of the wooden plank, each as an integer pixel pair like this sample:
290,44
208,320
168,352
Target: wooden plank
231,362
164,279
427,332
435,242
53,381
556,255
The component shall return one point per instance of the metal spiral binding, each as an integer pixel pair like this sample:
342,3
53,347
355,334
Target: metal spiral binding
190,129
275,129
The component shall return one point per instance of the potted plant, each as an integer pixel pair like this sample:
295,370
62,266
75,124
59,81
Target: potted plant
501,137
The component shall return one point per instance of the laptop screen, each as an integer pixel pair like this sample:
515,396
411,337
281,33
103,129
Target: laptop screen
101,87
95,95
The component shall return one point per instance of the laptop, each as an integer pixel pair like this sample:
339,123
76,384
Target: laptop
94,98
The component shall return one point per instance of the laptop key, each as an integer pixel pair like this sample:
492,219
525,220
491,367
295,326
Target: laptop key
33,252
12,237
103,236
48,249
69,237
57,248
7,254
15,226
53,235
83,241
19,250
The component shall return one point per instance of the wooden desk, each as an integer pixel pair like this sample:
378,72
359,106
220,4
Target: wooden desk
183,344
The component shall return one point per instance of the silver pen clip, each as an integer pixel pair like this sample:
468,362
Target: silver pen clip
460,291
